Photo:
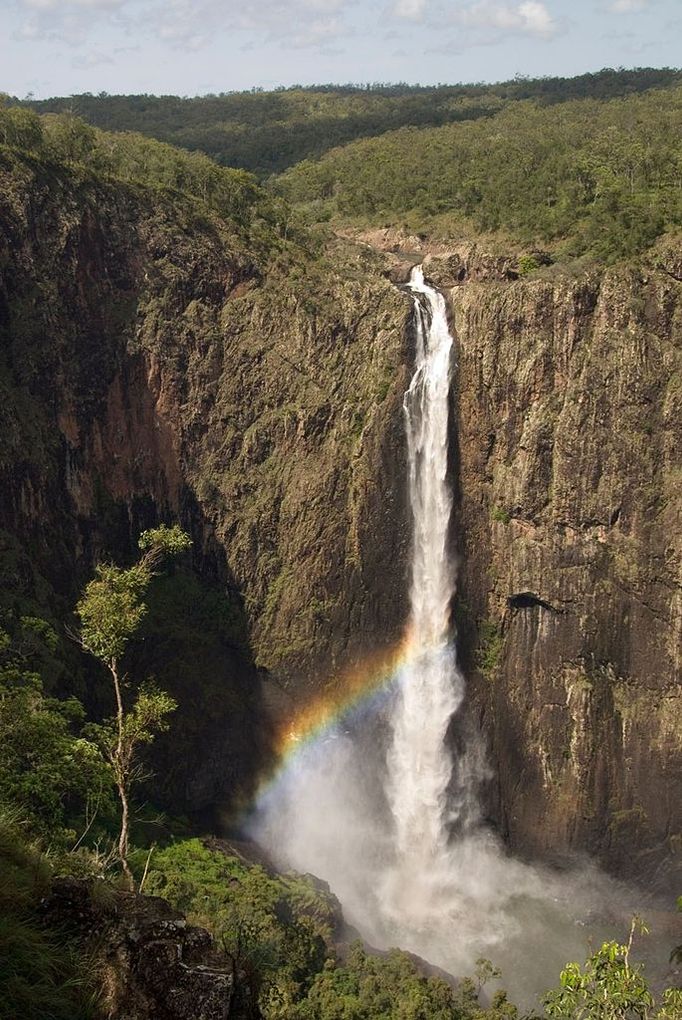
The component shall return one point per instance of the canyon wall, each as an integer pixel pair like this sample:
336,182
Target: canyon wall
154,368
569,433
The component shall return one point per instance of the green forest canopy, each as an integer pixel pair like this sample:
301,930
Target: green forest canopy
63,146
585,177
576,166
266,132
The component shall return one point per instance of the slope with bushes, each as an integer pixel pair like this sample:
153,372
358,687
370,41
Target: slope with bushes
586,177
266,132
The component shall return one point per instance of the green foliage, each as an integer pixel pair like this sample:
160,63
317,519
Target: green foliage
111,609
528,264
112,606
164,540
42,973
71,140
390,987
376,988
49,771
279,931
610,987
500,515
141,723
267,132
67,147
276,928
589,177
20,128
490,647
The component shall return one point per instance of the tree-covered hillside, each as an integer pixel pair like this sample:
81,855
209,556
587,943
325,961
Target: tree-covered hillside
59,145
266,132
594,177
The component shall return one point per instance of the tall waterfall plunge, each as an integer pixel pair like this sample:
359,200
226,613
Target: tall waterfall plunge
382,808
430,687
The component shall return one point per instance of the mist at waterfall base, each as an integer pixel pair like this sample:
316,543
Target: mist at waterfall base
383,808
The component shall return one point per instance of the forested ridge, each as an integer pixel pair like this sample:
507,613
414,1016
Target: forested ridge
266,132
602,178
587,166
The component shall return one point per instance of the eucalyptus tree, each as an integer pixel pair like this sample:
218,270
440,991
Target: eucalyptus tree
111,610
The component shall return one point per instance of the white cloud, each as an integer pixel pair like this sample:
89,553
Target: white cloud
68,21
187,24
295,24
627,6
86,61
410,9
299,23
531,17
64,5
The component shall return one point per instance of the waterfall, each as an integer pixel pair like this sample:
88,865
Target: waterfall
383,805
430,687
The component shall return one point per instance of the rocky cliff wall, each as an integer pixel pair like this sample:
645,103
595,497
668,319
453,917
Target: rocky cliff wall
569,524
153,368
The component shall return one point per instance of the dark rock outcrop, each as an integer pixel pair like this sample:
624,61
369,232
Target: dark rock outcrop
151,964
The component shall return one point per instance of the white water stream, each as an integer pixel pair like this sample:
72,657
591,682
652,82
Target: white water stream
430,687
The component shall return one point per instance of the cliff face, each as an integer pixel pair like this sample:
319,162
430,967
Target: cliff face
151,369
569,427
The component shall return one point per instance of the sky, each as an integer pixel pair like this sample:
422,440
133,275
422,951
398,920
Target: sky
193,47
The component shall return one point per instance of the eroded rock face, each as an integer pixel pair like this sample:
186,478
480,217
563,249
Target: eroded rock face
569,428
154,371
151,964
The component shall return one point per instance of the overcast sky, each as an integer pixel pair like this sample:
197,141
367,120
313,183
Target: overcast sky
189,47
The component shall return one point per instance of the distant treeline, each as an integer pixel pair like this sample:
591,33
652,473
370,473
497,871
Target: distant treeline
267,132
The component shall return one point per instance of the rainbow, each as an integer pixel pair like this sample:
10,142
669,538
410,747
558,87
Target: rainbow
356,687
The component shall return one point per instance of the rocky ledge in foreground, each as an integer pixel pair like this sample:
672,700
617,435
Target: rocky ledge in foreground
153,965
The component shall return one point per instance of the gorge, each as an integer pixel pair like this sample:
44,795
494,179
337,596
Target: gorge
165,364
381,796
